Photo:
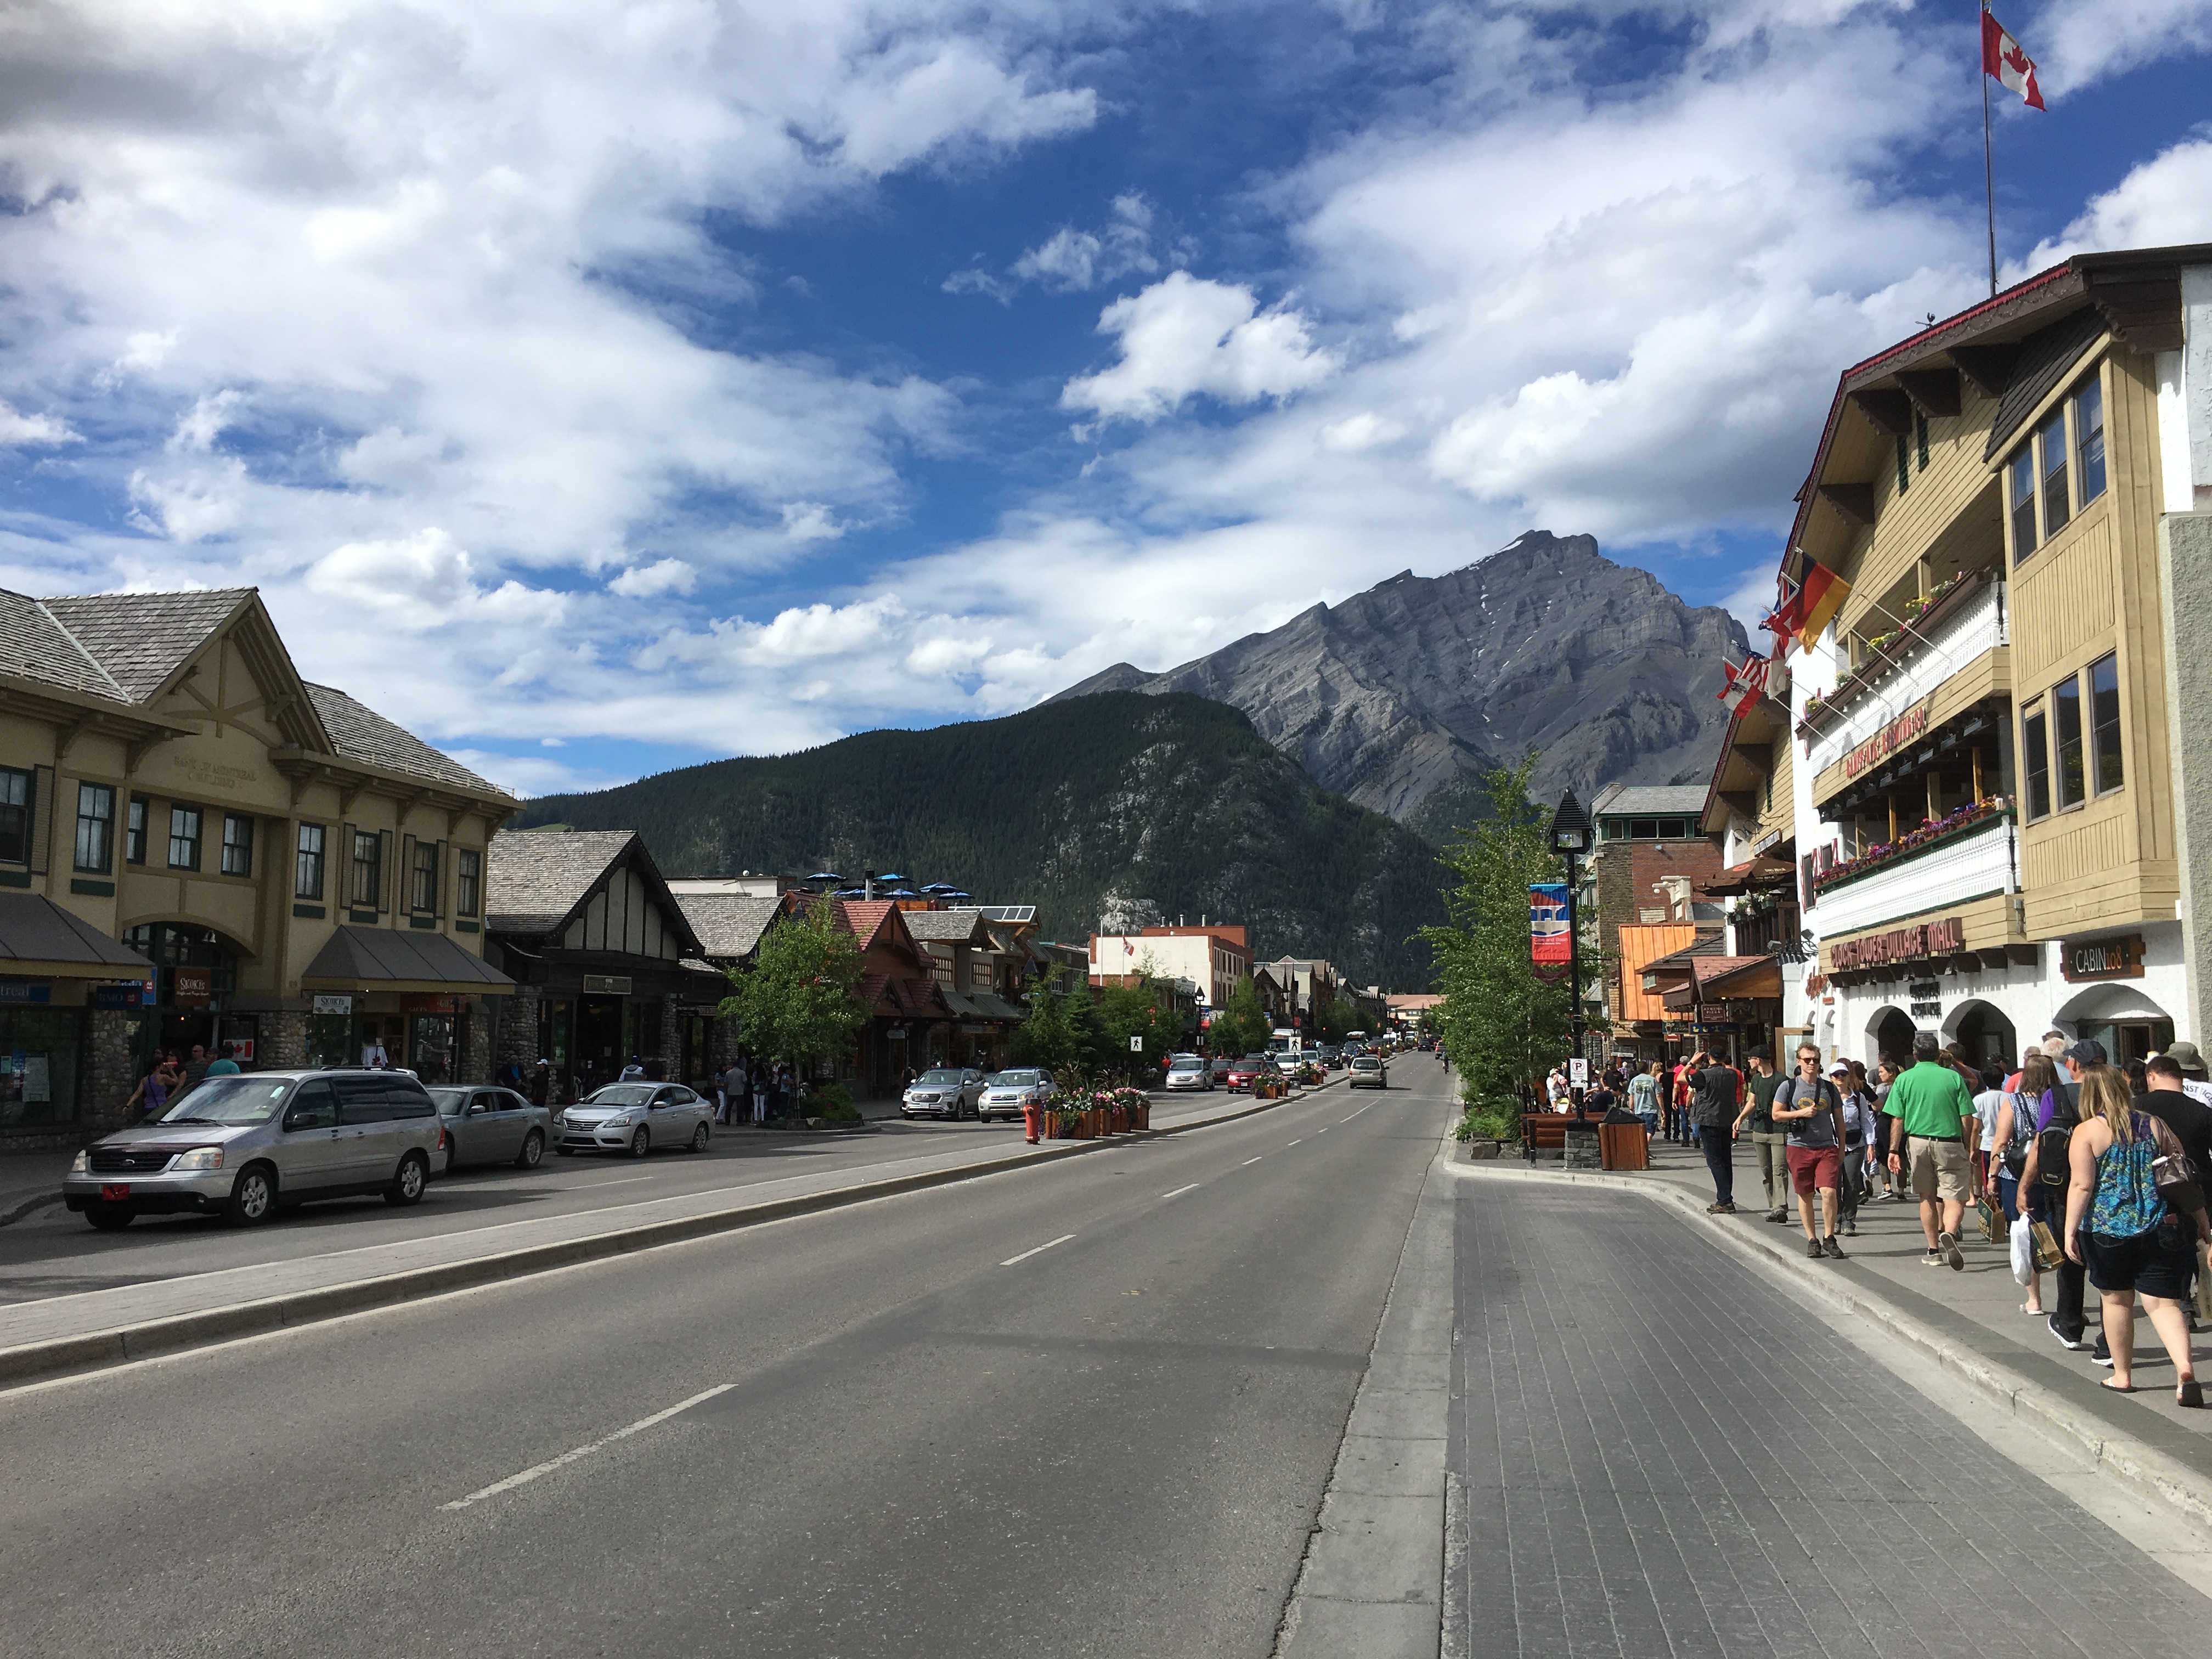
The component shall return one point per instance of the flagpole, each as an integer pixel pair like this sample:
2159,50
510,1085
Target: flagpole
1988,165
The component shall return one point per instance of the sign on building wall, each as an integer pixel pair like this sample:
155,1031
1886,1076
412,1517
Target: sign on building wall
334,1005
191,988
2103,958
1927,939
606,985
1883,743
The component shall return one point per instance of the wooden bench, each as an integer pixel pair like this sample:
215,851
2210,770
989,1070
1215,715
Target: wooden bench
1547,1132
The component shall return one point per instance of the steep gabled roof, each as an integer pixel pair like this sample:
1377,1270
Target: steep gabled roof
535,879
358,733
142,639
944,927
1649,800
729,925
34,644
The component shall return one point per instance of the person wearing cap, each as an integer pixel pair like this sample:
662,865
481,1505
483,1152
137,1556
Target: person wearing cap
1931,1118
1860,1130
1769,1145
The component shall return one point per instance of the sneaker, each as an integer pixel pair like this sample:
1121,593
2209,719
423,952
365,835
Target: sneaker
2064,1341
1947,1243
1720,1209
1932,1259
1851,1230
1777,1215
1834,1251
2103,1356
1812,1248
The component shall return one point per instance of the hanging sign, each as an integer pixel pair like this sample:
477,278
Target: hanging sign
2103,958
1550,945
191,988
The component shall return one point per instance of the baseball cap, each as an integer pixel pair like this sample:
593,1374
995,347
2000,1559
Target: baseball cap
2088,1052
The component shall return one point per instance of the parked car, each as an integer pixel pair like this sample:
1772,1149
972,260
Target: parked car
1243,1072
945,1091
1219,1070
635,1118
492,1126
1368,1071
243,1146
1005,1093
1188,1072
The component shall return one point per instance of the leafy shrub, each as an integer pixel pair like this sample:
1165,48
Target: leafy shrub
835,1101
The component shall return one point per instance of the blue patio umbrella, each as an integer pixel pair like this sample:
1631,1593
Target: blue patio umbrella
903,892
890,875
825,875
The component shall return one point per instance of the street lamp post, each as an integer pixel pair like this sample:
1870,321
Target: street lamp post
1571,840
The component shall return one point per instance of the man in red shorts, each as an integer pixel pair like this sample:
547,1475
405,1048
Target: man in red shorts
1808,1106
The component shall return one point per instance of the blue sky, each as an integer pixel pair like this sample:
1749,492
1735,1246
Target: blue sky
602,388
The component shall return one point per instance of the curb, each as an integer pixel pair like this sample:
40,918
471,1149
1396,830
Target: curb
96,1350
2144,1469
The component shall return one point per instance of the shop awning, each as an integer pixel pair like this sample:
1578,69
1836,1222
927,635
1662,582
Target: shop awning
1758,875
1738,978
385,959
39,939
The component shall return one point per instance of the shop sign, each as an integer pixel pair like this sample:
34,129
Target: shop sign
1926,938
895,1033
334,1005
606,985
2103,958
134,995
25,990
978,1030
191,988
1892,737
433,1002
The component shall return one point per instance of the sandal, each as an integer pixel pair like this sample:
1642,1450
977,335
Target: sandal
2028,1307
2111,1386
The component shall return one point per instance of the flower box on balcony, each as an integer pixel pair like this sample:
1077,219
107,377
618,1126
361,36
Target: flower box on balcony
1967,820
1921,616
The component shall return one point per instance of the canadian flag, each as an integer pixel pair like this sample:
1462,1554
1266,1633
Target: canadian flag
2002,57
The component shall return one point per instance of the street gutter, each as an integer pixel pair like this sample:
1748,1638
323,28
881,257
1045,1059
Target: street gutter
123,1344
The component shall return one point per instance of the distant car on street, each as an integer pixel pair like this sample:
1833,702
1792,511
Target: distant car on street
635,1118
1219,1070
1243,1073
242,1146
1005,1093
492,1126
945,1091
1368,1071
1189,1071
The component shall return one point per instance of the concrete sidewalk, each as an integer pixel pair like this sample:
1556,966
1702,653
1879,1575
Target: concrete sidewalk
1968,1321
110,1326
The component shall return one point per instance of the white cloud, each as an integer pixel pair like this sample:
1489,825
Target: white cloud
17,428
1070,260
810,521
1186,336
2164,202
2075,43
1364,430
644,581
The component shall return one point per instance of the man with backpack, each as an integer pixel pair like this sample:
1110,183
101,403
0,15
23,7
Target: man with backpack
1716,1093
2045,1176
1811,1113
1931,1116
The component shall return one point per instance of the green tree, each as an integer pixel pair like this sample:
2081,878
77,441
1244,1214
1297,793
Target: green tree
1143,1010
1060,1034
1503,1025
1341,1016
796,1002
1243,1027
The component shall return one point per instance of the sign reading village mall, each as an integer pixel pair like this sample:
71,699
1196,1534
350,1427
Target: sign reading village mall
1879,747
1926,938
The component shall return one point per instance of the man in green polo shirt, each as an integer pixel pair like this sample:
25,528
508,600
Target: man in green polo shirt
1931,1131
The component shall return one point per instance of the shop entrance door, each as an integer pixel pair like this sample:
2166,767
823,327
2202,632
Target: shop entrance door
599,1053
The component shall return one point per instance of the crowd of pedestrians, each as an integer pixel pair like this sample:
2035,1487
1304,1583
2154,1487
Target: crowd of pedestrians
2096,1174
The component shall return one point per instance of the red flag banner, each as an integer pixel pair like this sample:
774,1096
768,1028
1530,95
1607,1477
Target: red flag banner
2005,63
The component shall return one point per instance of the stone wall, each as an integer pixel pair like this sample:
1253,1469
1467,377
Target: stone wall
283,1040
477,1039
105,1078
516,1042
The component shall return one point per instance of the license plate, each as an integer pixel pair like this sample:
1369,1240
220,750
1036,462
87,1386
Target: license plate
115,1193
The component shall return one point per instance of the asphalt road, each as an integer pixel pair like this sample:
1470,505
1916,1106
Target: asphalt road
1085,1408
52,1252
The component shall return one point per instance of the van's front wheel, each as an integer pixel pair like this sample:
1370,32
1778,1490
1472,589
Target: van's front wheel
254,1199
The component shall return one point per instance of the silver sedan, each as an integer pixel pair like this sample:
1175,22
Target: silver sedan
492,1126
636,1117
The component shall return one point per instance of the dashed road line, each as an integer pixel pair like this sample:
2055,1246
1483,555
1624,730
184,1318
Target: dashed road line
1180,1191
1040,1250
569,1457
1249,1162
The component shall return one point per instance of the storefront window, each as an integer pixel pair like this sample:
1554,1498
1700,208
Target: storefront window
329,1041
433,1046
37,1066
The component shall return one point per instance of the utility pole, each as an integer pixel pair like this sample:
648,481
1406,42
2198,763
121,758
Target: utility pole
1571,840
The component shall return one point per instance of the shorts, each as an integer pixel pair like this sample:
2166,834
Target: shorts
2158,1262
1941,1170
1811,1168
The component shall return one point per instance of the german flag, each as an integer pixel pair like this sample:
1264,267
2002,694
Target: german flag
1809,595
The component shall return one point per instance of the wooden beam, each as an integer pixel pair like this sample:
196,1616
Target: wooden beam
1887,408
1936,390
1989,366
1854,500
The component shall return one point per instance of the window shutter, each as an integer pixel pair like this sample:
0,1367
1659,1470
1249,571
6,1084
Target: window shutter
384,884
42,817
438,887
407,872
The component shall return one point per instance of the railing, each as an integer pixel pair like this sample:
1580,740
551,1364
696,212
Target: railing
1972,861
1925,653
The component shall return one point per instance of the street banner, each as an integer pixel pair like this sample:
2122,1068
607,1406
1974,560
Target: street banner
1550,945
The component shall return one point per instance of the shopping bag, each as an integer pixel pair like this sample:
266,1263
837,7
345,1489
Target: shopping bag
2023,1255
2048,1251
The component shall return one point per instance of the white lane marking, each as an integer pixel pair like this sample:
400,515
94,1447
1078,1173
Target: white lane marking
1357,1114
1040,1250
620,1181
1180,1191
1249,1162
569,1457
1294,1142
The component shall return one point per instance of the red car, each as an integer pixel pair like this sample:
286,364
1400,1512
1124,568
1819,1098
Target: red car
1242,1072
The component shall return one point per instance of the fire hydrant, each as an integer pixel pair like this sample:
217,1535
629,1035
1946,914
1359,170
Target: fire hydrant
1032,1115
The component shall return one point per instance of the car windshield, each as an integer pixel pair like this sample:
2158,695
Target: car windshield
1364,1064
623,1094
1256,1059
1186,1066
1016,1079
938,1074
229,1100
449,1100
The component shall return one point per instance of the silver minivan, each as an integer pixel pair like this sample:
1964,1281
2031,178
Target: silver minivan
241,1147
